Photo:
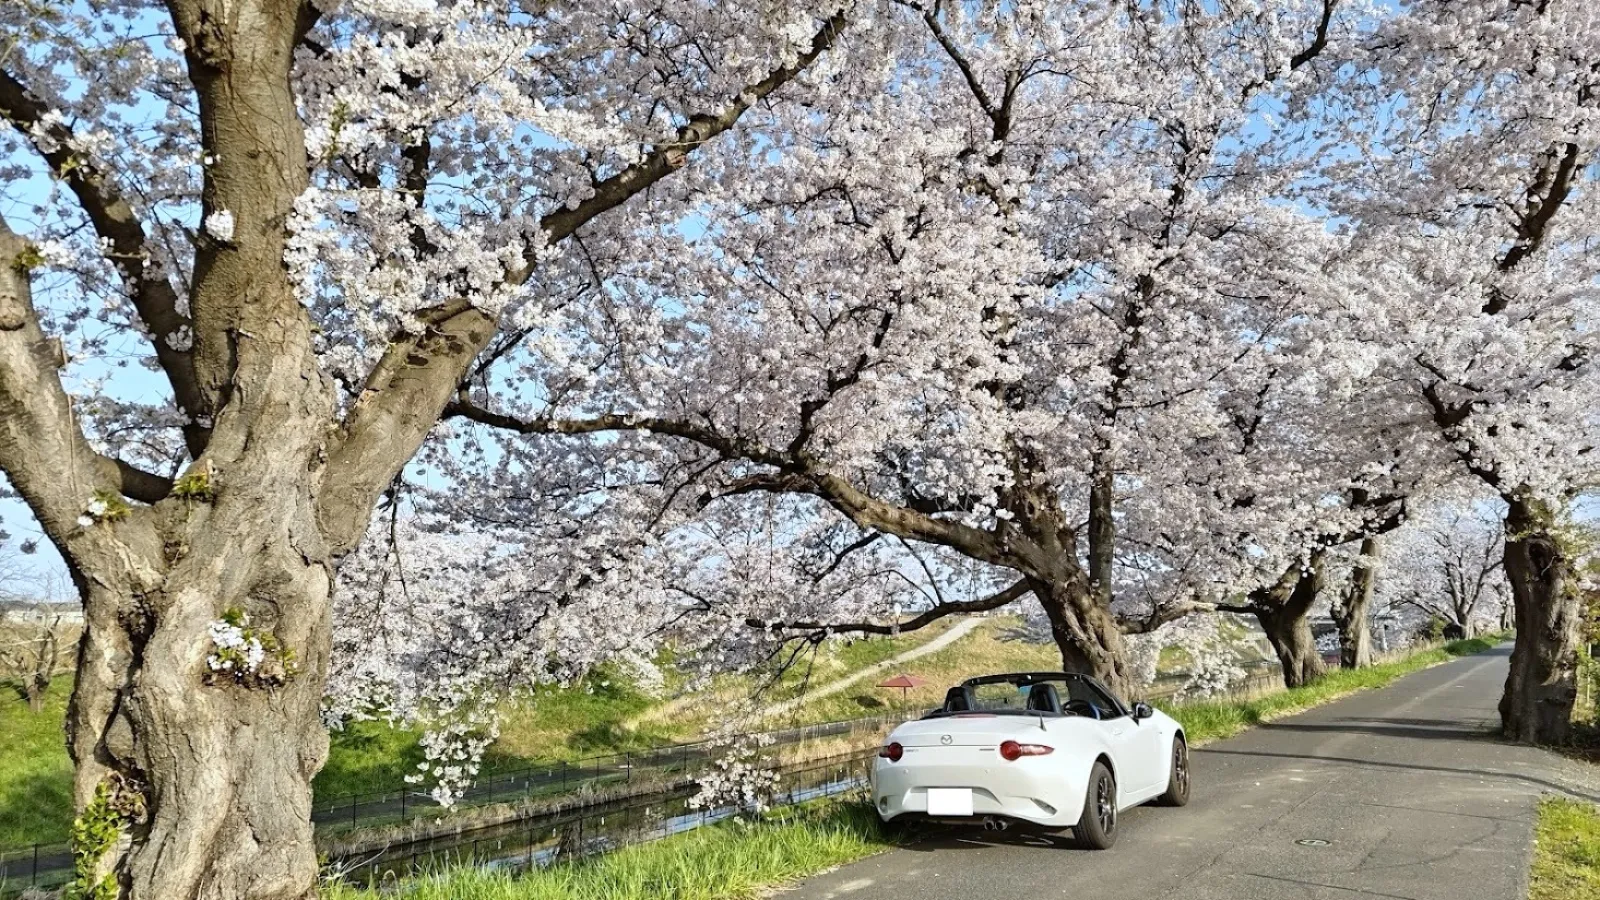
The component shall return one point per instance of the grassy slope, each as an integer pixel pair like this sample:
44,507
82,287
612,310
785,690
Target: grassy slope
604,714
554,724
35,773
728,862
1566,860
993,647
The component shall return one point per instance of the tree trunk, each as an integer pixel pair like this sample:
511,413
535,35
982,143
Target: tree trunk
1541,687
1291,638
1351,612
208,773
1282,611
1087,634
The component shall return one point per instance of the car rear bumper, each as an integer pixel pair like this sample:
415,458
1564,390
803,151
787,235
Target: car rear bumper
1027,790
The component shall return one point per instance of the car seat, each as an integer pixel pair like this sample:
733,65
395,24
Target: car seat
1043,698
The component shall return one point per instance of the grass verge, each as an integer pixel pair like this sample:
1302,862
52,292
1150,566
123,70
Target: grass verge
1566,857
728,861
1210,720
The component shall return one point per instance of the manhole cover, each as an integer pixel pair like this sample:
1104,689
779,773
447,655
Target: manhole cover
1313,842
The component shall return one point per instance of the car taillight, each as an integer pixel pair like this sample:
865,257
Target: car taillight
892,752
1011,750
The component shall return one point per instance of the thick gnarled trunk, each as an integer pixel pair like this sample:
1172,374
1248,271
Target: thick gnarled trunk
1351,611
211,770
1295,646
1087,634
1282,610
210,778
1541,687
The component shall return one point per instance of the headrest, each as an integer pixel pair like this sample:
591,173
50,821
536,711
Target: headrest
959,699
1043,698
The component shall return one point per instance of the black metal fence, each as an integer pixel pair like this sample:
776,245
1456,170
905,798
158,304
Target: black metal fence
591,830
646,768
596,782
580,830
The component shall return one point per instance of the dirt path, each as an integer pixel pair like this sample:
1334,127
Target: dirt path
956,633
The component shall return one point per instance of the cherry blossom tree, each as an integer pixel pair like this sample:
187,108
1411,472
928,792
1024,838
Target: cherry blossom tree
250,251
1452,566
1475,199
1352,608
989,342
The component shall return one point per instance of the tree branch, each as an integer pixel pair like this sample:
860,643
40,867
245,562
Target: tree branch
817,630
798,474
1170,612
115,222
418,371
42,449
669,157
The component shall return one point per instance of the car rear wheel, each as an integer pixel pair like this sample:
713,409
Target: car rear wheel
1178,777
1097,826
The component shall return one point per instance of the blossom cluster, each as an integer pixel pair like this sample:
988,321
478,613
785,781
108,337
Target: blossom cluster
234,650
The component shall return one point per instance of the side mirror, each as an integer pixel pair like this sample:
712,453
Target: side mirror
1142,710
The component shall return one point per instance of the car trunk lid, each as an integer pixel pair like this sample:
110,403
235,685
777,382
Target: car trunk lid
976,729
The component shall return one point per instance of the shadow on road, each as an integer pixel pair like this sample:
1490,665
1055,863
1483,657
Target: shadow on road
1456,732
960,838
1414,767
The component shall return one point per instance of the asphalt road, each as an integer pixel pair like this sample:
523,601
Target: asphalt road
1412,797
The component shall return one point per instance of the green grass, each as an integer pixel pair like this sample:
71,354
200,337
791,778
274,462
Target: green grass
35,772
1210,720
729,861
1566,859
549,725
556,724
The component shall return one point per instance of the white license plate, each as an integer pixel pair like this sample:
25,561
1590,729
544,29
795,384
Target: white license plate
949,801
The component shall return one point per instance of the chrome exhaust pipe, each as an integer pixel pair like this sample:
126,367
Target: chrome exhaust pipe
990,823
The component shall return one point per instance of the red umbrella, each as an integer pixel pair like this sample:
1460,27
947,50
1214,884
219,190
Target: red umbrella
904,682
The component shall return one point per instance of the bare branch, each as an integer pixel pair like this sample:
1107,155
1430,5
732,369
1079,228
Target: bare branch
115,222
815,630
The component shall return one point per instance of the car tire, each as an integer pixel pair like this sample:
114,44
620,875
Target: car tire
1097,824
1179,775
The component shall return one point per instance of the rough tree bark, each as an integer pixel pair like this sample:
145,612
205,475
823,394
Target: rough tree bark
1352,609
1541,687
207,777
1086,633
1282,609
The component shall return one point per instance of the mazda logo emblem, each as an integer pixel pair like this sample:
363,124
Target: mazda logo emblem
945,739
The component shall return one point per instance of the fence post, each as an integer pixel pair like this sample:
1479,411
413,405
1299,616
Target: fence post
403,795
33,877
563,775
627,760
352,809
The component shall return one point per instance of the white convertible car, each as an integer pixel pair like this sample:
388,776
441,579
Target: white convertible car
1045,749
